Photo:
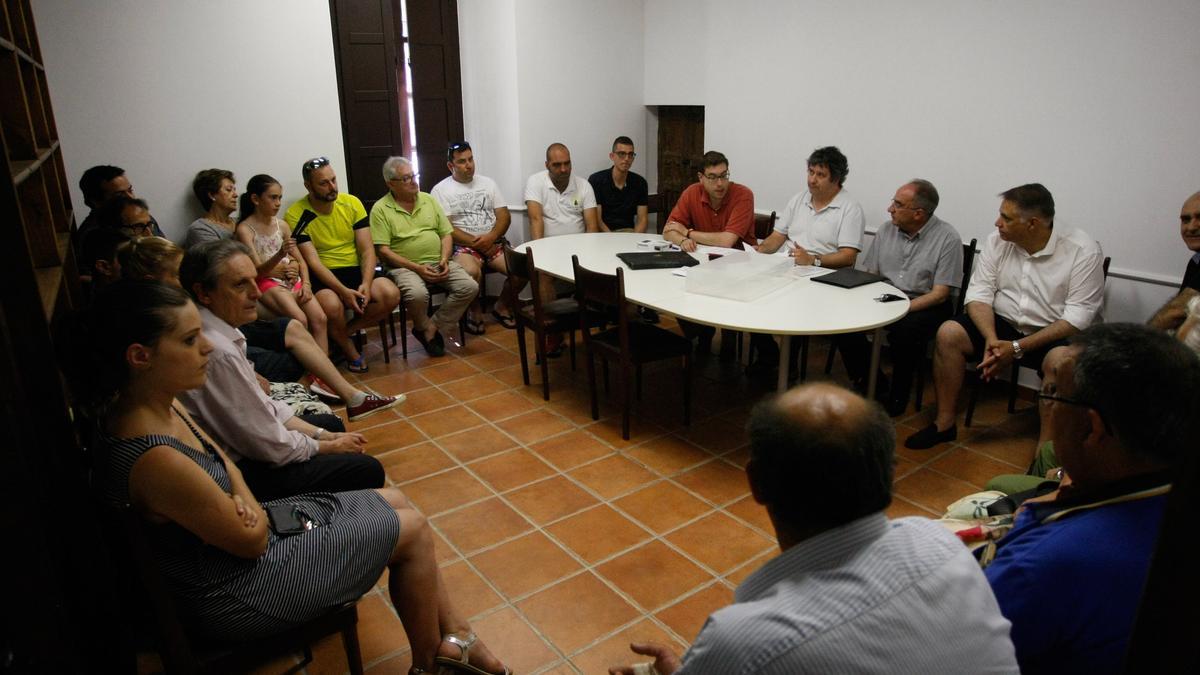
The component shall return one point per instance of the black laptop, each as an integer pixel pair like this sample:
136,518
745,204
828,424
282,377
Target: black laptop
848,277
657,260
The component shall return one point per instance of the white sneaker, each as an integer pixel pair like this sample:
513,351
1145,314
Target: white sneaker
320,388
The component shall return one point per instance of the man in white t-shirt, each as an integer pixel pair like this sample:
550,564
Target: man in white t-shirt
480,217
559,203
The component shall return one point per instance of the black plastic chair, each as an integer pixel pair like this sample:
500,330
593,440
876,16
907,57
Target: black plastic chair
630,344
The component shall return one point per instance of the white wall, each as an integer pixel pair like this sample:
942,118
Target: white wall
164,89
1093,98
576,79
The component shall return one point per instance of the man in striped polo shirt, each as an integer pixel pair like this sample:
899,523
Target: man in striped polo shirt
851,591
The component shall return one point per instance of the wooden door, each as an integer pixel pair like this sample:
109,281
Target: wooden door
368,56
436,84
680,147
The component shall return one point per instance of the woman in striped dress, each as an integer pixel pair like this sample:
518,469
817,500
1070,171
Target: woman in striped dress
226,564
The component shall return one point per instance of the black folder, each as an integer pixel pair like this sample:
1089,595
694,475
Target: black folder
657,260
848,277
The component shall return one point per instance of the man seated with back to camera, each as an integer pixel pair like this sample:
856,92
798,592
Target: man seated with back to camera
850,591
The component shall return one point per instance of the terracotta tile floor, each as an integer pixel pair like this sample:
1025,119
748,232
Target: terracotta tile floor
564,542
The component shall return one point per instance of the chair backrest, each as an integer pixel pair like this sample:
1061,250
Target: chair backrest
520,266
598,294
968,265
764,225
1107,260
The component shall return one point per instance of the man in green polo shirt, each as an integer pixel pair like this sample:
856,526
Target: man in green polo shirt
413,239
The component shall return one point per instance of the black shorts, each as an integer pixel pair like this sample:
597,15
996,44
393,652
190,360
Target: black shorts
351,277
266,348
1004,331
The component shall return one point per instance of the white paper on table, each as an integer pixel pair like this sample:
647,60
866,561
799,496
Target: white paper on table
680,271
801,271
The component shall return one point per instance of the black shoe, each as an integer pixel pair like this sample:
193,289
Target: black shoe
649,315
930,436
435,346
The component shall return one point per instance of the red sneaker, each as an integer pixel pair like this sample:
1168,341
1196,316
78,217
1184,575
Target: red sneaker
371,405
320,388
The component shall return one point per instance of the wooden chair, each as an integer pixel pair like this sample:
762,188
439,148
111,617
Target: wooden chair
561,315
629,345
1014,376
660,204
182,654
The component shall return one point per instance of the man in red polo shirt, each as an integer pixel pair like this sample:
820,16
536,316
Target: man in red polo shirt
714,212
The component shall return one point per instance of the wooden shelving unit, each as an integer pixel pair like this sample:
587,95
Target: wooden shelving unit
55,586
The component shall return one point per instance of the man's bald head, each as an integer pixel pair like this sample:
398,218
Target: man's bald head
820,456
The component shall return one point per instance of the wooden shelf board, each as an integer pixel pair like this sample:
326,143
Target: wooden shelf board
22,169
49,279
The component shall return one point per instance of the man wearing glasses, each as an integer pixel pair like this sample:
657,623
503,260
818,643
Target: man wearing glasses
414,240
130,215
337,247
921,255
714,212
1120,405
621,195
480,217
1032,287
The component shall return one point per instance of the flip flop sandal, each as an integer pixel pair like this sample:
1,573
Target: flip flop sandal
505,320
461,664
358,365
475,327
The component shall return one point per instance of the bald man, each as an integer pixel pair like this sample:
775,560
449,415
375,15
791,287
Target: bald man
1174,312
850,591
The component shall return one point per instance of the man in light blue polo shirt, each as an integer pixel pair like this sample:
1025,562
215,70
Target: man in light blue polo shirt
921,255
414,239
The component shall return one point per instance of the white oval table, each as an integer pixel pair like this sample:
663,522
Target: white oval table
801,307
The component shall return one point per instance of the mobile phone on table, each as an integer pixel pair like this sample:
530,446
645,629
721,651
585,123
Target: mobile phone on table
305,218
889,297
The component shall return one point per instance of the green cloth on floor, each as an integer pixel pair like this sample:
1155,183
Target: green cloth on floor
1013,483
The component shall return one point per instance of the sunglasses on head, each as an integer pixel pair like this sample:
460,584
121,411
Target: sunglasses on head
314,164
456,147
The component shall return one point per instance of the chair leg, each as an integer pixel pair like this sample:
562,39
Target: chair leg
626,402
392,327
1012,389
829,358
544,363
524,353
607,390
591,370
383,342
639,381
403,331
571,341
353,651
687,389
975,386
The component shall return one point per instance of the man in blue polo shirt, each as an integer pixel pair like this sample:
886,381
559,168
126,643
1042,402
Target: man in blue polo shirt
1121,404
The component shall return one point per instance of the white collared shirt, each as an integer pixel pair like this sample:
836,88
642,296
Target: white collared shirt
562,212
1064,280
840,224
232,408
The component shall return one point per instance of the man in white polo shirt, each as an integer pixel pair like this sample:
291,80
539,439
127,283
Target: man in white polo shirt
1031,288
559,203
821,226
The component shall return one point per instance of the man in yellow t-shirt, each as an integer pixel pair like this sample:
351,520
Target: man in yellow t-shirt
414,240
336,245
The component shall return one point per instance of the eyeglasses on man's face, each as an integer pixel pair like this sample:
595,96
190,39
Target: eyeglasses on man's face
898,206
717,177
407,178
1045,399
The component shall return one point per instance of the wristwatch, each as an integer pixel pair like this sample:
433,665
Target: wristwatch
816,260
318,433
1017,351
